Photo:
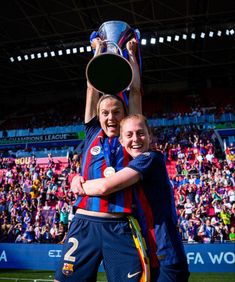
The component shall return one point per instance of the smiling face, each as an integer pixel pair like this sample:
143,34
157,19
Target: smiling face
135,135
111,112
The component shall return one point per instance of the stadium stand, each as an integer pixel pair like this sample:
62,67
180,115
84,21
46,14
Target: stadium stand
36,204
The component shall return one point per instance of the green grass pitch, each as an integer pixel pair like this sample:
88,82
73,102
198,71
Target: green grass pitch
44,276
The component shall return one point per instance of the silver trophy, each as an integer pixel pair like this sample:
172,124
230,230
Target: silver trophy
110,72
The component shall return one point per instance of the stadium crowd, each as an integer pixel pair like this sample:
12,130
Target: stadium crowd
36,205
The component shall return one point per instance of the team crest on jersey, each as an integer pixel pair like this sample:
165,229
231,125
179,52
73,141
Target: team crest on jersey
146,154
67,269
95,150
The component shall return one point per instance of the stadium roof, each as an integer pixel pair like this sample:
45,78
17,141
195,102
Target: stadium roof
32,26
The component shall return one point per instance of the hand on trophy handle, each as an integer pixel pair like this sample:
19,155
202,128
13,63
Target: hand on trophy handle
97,44
132,46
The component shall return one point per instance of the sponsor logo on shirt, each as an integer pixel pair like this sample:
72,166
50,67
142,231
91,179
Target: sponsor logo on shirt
95,150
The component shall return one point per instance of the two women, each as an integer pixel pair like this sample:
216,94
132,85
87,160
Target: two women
100,229
148,169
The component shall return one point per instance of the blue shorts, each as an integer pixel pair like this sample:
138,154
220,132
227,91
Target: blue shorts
93,239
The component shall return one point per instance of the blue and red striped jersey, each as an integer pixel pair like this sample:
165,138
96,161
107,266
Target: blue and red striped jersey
94,161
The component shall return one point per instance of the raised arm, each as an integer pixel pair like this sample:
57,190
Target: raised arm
92,98
92,95
135,99
118,181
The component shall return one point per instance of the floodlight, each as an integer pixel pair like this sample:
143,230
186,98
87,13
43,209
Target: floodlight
81,50
74,50
211,34
202,35
177,37
168,38
153,40
143,41
193,36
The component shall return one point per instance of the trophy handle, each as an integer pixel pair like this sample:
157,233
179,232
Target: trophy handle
115,44
108,43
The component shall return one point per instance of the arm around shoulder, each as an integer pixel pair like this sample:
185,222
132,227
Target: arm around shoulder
116,182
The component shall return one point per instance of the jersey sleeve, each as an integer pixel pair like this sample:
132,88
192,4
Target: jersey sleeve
144,163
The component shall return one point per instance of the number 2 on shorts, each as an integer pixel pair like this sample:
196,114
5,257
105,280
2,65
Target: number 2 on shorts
68,256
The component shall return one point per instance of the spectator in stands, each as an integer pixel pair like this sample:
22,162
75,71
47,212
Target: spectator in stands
27,185
207,232
188,207
225,215
46,206
5,227
190,194
210,156
232,234
52,188
231,192
3,199
33,207
49,172
183,225
222,232
64,214
26,219
18,232
29,235
39,215
46,236
37,230
60,232
191,232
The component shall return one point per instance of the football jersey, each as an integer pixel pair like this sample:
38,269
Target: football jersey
158,191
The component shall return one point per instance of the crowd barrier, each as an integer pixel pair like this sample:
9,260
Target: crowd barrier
201,257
